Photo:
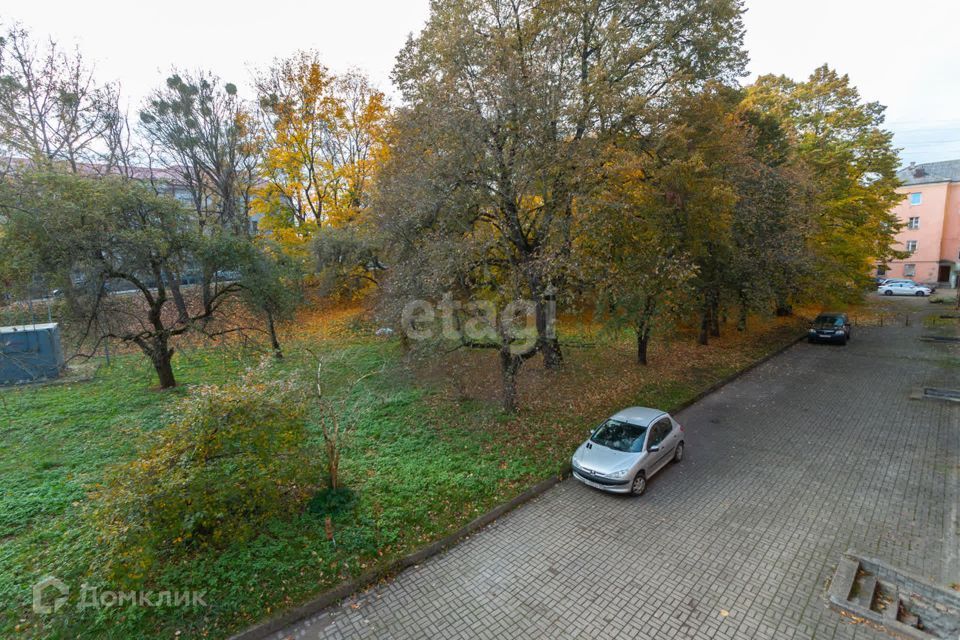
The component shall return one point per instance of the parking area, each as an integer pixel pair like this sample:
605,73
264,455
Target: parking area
817,451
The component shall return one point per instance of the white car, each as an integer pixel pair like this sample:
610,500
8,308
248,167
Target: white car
903,289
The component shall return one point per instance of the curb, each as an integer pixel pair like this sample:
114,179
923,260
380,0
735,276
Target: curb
368,579
331,597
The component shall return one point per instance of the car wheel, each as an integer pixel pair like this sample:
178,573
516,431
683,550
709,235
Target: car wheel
811,340
639,484
888,292
919,293
678,452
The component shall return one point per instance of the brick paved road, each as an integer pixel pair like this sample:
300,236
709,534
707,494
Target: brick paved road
817,451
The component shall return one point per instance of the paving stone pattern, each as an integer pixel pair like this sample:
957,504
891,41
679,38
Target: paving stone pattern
815,452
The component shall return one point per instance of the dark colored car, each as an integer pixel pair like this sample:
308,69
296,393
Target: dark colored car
830,327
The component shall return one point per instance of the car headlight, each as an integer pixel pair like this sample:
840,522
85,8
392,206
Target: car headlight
617,474
839,332
812,331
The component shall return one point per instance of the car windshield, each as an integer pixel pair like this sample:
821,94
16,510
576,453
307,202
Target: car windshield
621,436
828,321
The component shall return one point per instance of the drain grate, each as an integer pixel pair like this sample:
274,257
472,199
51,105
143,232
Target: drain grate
941,394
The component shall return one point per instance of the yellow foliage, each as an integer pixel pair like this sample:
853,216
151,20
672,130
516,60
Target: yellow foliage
325,138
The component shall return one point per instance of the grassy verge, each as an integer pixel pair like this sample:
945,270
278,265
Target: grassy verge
432,454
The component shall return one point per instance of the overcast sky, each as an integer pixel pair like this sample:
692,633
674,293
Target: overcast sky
905,55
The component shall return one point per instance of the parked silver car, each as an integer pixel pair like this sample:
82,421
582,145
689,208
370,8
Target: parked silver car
903,289
624,452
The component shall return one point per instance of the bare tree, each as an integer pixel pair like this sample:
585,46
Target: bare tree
336,421
207,137
51,107
207,142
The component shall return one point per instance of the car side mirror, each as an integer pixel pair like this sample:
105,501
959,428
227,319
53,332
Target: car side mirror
653,448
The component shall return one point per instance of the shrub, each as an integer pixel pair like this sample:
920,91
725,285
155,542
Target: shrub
234,459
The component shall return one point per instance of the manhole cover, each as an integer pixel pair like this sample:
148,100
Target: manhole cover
942,394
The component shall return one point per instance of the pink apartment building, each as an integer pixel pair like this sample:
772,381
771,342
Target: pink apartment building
930,213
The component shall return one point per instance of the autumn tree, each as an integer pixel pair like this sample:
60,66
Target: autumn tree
324,135
348,259
509,109
853,163
773,218
739,201
638,272
695,159
270,284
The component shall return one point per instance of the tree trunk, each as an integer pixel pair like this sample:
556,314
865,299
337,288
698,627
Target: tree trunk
205,292
333,464
704,323
643,326
178,301
552,356
274,342
742,319
784,308
547,340
715,314
643,339
162,358
509,365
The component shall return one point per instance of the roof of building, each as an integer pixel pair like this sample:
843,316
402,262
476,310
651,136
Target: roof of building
930,172
20,328
170,175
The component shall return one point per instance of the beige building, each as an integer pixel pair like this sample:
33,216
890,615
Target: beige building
930,213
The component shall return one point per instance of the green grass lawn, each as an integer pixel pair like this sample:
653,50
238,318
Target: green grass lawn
422,462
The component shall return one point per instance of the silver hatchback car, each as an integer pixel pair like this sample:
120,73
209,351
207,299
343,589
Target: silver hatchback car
627,449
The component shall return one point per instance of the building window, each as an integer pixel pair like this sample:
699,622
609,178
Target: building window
916,198
909,270
911,246
913,223
881,271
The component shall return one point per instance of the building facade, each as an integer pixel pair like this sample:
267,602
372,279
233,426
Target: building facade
930,213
